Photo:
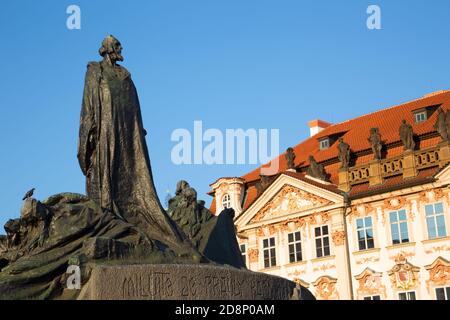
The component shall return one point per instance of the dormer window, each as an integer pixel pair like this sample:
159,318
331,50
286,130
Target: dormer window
226,201
420,116
324,144
423,114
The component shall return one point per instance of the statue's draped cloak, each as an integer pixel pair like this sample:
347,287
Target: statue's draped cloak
113,154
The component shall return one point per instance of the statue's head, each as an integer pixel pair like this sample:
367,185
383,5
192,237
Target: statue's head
111,47
181,185
404,121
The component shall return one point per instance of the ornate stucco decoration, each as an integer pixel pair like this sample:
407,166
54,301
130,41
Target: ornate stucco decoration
253,255
361,210
326,288
404,276
324,267
370,283
292,225
394,204
289,200
338,237
431,195
366,260
439,272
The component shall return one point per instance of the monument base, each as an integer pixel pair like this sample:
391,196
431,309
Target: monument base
187,282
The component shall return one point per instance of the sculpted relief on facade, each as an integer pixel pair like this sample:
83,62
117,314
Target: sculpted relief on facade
370,284
289,200
404,276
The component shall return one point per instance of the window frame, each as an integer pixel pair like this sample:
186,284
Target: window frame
228,200
325,141
407,295
295,243
372,297
243,253
269,249
322,237
446,292
427,230
365,230
398,223
418,115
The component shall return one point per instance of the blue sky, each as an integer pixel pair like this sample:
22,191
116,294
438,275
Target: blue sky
232,64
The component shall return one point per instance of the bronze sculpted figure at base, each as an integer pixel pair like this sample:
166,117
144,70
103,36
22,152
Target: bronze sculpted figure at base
407,136
376,143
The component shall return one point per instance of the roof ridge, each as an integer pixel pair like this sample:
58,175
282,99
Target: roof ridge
426,96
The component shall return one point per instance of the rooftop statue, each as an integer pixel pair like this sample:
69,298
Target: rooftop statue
344,153
375,143
316,170
290,158
442,124
407,136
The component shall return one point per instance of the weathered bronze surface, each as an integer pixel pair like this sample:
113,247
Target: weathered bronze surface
120,221
407,136
112,150
213,236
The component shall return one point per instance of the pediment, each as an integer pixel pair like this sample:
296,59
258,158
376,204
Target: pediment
285,197
289,200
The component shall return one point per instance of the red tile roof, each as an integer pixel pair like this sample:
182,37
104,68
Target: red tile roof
355,132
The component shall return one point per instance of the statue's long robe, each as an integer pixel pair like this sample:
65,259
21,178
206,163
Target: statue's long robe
113,154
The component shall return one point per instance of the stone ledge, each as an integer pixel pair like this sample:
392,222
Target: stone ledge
185,282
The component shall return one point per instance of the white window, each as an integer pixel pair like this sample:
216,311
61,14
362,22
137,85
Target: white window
322,241
372,298
435,220
324,144
295,247
269,253
226,201
364,230
420,116
410,295
399,226
243,248
443,293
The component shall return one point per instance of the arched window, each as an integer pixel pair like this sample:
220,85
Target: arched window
226,201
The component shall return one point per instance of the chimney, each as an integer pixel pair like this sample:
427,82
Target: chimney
315,126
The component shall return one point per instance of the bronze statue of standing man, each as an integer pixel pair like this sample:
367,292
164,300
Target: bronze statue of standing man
112,150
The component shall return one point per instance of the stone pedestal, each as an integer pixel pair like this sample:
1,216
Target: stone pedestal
409,165
344,181
187,282
444,153
375,173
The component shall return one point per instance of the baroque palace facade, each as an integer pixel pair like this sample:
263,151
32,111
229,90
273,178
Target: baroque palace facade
360,210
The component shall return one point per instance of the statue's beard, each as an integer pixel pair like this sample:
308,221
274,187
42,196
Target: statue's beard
116,56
